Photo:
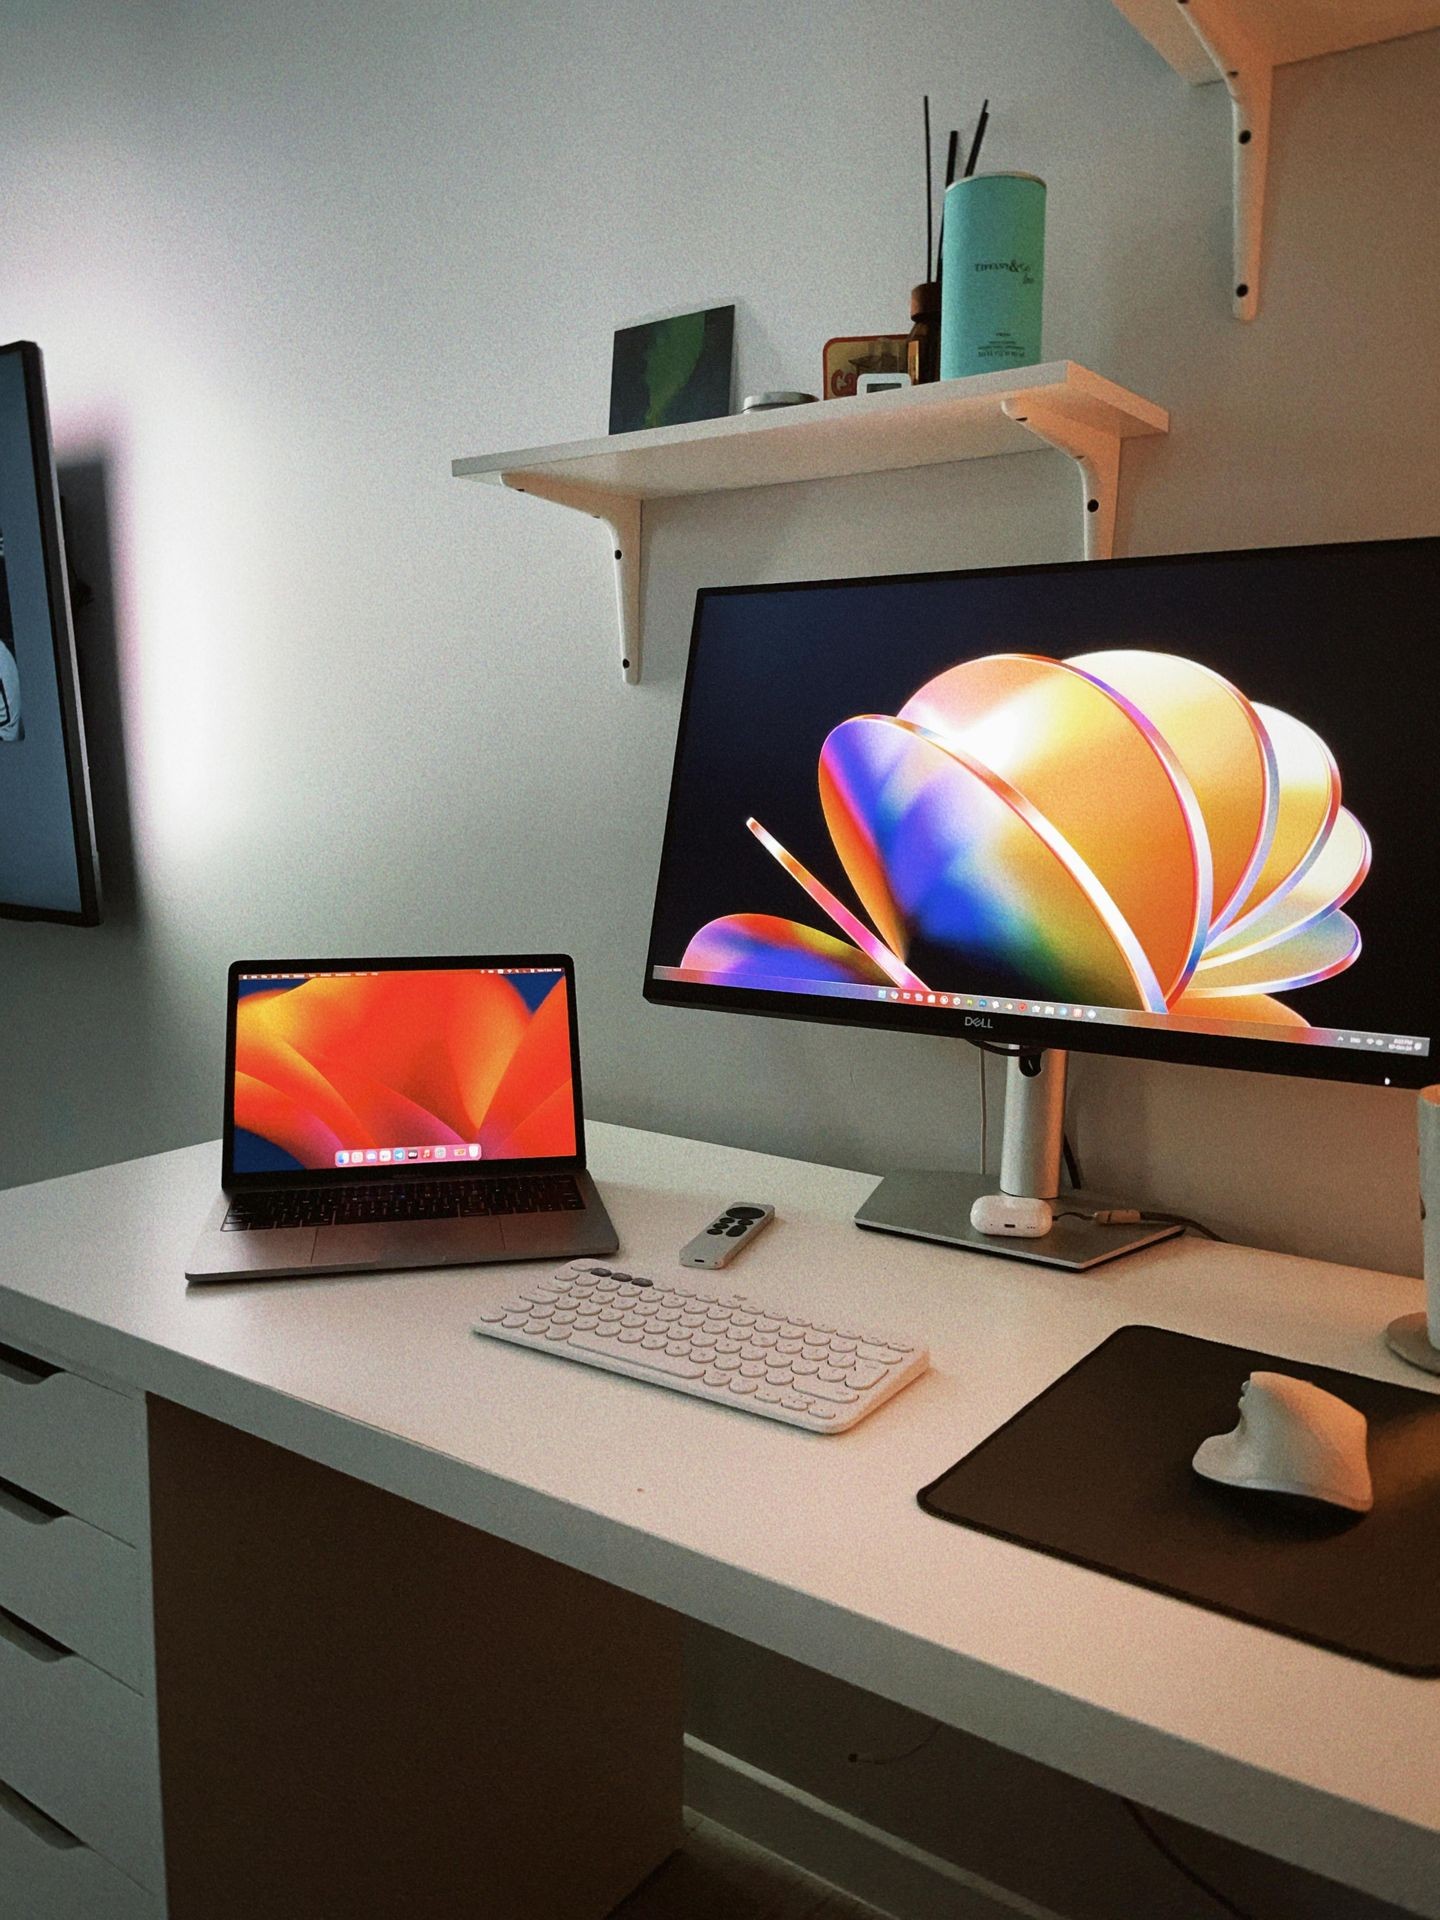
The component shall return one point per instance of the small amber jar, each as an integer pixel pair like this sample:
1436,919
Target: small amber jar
923,351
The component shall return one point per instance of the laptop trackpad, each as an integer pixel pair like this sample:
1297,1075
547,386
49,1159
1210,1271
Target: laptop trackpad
407,1243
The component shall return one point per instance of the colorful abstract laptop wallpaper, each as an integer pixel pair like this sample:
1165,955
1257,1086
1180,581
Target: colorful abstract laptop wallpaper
432,1068
1173,795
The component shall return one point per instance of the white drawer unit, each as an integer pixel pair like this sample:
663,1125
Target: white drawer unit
47,1874
81,1586
80,1746
78,1445
80,1823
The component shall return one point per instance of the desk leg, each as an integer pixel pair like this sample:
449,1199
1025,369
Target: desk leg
371,1712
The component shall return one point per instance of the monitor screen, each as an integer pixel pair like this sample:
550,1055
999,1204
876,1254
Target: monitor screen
1172,806
47,850
369,1066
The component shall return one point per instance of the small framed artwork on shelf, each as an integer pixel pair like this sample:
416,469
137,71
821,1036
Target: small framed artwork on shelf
667,372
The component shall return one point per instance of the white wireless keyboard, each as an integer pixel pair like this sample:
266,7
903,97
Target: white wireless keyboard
722,1347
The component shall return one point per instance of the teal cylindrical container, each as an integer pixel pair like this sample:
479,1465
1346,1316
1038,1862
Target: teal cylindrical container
992,274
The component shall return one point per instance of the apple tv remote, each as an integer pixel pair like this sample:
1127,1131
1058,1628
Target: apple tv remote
727,1234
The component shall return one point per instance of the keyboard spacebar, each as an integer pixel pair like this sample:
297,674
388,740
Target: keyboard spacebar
653,1362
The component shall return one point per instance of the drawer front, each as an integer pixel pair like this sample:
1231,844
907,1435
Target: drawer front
46,1874
79,1745
80,1446
80,1586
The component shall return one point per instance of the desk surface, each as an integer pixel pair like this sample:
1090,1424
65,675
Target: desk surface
810,1545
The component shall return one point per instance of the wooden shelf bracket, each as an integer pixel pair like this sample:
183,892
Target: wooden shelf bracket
1094,451
623,515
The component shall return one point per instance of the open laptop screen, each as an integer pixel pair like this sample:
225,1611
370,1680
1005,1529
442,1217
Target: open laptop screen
373,1066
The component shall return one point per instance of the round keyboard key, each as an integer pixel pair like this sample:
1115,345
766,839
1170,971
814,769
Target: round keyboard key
742,1319
492,1316
536,1326
514,1320
678,1348
813,1352
742,1386
728,1356
586,1322
841,1345
715,1378
788,1346
780,1377
831,1373
632,1336
804,1366
557,1333
771,1395
655,1342
767,1326
765,1340
563,1317
752,1370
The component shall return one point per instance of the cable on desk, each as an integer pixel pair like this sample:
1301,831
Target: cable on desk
1183,1867
888,1759
1134,1217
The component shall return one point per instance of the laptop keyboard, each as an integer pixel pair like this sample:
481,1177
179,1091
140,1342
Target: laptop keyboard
376,1202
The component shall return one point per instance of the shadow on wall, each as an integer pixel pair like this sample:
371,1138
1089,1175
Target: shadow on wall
85,507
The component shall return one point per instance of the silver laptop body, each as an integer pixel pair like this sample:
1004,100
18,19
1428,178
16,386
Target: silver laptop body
382,1114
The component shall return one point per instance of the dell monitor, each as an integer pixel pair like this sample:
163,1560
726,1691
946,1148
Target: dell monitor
1173,807
48,868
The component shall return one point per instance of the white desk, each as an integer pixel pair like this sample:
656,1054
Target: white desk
811,1546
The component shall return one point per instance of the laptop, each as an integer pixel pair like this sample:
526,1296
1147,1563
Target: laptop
400,1113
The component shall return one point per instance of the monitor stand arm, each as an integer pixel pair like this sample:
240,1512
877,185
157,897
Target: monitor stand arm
936,1205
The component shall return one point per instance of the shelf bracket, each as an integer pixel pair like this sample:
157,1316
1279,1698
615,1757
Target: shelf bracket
1094,451
623,514
1249,80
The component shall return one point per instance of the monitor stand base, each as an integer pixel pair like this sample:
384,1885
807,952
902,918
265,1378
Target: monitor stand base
1409,1337
936,1206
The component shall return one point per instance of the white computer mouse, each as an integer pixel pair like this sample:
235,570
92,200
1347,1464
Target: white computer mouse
1293,1438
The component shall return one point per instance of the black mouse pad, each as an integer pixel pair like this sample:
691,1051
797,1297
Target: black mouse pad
1097,1470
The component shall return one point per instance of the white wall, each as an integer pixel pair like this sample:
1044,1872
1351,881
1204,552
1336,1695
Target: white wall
286,260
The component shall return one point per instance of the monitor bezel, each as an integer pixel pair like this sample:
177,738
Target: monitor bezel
1175,1047
62,639
562,963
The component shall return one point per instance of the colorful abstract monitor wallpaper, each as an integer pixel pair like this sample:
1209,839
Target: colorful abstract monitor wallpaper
1178,795
426,1066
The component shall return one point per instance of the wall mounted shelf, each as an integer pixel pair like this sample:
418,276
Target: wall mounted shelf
1058,404
1242,42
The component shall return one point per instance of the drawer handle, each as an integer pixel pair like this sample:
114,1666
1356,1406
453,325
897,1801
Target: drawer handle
28,1507
26,1814
30,1640
23,1368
